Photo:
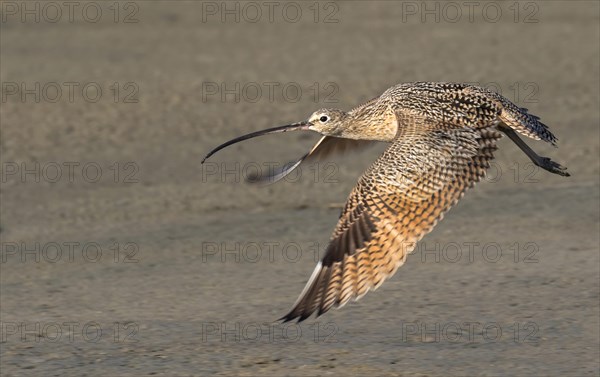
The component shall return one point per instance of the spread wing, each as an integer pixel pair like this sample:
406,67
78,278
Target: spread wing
325,147
399,199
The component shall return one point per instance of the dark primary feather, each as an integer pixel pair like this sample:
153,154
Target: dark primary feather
325,147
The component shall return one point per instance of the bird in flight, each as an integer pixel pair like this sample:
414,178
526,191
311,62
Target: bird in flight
441,140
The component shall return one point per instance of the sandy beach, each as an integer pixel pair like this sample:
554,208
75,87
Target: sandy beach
122,255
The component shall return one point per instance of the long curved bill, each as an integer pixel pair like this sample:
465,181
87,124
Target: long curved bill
290,127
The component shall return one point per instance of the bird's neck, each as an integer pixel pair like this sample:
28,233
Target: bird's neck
371,123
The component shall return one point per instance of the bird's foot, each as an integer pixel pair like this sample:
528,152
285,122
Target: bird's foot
553,167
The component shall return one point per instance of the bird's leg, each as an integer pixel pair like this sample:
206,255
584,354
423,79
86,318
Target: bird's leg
543,162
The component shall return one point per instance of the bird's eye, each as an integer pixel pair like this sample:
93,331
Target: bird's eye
324,118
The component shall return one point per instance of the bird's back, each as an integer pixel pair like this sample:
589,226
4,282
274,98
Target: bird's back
464,105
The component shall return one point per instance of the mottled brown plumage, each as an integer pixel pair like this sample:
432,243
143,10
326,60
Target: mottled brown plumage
442,138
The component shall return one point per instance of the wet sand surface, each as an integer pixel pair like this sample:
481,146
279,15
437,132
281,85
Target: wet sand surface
156,265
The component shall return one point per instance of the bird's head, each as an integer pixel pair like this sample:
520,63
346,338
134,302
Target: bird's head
328,122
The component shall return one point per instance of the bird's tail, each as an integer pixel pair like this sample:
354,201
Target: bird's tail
519,118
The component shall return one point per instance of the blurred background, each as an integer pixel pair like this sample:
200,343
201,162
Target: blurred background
122,255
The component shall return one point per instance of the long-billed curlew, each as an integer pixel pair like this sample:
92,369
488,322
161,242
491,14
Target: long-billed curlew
442,137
